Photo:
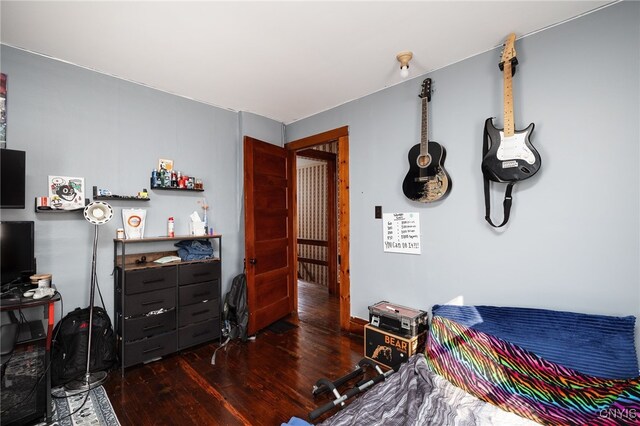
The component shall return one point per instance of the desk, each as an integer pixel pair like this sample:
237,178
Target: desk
28,363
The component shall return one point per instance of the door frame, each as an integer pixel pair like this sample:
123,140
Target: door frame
341,136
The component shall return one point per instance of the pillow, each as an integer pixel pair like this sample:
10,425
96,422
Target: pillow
596,345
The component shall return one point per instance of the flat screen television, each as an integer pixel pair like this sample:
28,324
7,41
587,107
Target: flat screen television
12,178
17,251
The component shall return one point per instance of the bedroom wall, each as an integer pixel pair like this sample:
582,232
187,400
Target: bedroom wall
573,241
75,122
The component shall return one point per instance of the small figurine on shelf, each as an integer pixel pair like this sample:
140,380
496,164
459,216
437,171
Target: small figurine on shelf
205,208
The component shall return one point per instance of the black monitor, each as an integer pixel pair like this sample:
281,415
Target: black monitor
17,251
12,179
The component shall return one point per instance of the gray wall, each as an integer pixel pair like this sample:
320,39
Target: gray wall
574,239
75,122
573,242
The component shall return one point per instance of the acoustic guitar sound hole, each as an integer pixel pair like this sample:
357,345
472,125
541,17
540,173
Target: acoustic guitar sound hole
423,160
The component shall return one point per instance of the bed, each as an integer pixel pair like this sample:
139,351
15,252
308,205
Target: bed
486,365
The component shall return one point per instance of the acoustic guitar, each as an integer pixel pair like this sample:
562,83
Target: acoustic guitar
427,180
511,157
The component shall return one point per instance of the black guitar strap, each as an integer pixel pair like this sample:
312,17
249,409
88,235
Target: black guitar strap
506,204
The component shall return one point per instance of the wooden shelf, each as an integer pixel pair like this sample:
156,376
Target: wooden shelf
160,239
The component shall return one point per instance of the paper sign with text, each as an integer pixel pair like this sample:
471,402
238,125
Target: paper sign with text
401,233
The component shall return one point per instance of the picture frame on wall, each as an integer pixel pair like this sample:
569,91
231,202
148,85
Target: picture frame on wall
66,193
164,164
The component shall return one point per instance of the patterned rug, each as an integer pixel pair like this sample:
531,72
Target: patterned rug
96,411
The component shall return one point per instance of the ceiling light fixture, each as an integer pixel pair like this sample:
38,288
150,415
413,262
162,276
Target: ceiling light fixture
404,58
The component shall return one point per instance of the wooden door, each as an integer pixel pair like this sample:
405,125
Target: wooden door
268,232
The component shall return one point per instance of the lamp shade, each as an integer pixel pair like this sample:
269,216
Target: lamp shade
98,212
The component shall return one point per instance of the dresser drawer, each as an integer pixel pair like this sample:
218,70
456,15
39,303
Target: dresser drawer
198,272
198,333
199,312
148,349
142,303
142,280
139,328
195,293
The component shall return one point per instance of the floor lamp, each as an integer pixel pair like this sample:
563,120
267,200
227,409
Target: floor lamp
97,213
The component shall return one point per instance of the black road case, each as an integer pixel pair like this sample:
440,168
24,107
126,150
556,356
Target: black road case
403,321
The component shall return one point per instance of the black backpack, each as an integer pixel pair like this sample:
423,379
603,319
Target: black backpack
235,314
69,345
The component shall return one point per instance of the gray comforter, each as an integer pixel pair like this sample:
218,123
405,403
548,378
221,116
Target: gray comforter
417,396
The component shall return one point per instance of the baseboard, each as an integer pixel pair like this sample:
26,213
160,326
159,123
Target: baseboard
356,326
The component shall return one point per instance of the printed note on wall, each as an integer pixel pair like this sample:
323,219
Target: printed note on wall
401,232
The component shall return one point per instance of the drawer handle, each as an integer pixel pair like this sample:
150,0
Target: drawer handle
157,348
151,327
201,274
206,293
200,312
201,334
153,302
159,280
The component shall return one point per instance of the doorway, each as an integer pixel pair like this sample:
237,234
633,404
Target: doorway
271,248
317,238
338,283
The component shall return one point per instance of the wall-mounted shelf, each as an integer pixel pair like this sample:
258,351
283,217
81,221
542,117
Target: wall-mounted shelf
117,197
50,210
120,197
158,239
177,189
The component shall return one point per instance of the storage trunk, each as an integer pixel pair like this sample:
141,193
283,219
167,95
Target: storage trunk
390,349
400,320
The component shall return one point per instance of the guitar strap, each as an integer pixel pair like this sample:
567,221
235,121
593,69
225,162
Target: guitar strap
506,204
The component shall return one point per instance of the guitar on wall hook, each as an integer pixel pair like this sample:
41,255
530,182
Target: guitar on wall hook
507,154
427,180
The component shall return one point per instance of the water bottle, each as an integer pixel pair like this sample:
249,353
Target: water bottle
170,232
154,178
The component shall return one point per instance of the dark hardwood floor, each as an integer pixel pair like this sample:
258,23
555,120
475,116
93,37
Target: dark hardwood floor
260,382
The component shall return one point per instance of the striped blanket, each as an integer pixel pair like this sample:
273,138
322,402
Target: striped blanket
519,381
417,396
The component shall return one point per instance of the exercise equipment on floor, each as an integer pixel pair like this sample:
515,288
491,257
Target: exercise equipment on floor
325,385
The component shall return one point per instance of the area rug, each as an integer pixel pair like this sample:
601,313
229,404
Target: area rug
280,327
97,409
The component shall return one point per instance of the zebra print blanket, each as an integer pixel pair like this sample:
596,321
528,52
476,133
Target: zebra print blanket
417,396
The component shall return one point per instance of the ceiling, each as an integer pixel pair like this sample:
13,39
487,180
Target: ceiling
281,60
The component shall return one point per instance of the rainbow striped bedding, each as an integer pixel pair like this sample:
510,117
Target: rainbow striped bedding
519,381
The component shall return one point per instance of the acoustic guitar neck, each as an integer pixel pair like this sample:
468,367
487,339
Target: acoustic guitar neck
424,137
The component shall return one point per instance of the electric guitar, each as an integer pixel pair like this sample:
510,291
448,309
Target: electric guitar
427,180
511,157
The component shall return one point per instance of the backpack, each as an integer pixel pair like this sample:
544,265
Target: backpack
235,315
69,345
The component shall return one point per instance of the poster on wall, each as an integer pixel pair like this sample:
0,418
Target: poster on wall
66,193
3,107
401,233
